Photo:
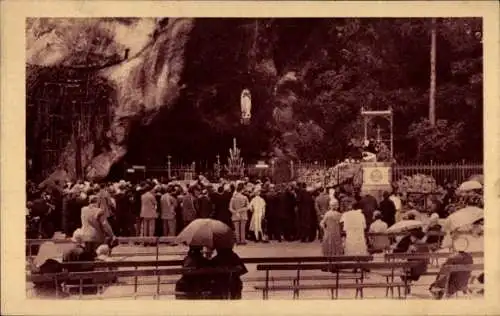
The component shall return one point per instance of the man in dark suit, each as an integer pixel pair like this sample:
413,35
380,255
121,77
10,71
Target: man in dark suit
274,214
305,207
388,210
205,206
220,200
368,205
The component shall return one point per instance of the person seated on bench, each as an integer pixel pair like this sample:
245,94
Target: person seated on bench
431,229
78,252
414,242
193,287
459,280
48,289
227,258
378,244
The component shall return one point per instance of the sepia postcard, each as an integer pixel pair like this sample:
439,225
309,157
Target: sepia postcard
250,157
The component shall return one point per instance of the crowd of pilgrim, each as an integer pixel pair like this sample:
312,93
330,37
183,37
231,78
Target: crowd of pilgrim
257,210
339,217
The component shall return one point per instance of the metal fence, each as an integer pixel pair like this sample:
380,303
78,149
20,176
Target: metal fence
442,173
322,170
180,172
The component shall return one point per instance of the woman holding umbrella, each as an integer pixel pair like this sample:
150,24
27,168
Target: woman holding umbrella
193,287
213,234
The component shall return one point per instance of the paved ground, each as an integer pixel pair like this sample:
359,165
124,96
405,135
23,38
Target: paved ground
122,291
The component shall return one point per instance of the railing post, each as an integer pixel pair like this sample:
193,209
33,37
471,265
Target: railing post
169,167
463,171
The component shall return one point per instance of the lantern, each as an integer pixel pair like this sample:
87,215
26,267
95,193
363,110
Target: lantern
246,106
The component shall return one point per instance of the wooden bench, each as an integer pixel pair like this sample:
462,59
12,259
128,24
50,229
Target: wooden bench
177,263
394,257
333,287
449,269
101,278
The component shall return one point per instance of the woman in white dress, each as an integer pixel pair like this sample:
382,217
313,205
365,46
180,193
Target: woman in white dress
354,225
258,208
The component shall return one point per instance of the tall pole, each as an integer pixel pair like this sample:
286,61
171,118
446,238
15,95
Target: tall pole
78,151
169,167
432,89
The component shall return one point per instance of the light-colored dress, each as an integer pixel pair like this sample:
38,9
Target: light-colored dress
92,230
332,240
258,209
379,242
354,226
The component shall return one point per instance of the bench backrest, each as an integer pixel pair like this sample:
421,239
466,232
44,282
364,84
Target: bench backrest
65,276
121,240
462,267
336,265
307,259
428,255
174,263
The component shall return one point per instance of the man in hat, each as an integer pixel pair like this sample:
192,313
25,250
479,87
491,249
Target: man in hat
189,206
149,212
205,206
238,206
168,204
321,205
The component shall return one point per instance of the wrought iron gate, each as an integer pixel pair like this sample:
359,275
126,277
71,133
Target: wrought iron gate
68,106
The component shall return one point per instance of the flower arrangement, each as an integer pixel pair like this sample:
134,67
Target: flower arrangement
333,176
418,190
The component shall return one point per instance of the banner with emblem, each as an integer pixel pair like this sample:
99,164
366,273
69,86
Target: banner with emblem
376,175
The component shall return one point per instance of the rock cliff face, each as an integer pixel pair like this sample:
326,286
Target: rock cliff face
147,80
171,73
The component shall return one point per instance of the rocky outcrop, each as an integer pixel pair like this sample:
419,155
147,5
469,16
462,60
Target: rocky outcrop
148,80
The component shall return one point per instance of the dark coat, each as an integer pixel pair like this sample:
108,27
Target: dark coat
458,280
388,210
193,287
221,283
368,206
305,210
221,208
204,207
